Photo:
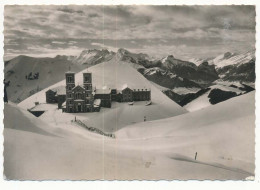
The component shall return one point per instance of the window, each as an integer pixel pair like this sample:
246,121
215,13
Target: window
70,79
86,79
78,95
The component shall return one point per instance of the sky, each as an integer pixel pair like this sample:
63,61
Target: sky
182,31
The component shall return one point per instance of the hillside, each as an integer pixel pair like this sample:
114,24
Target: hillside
219,92
223,135
233,67
238,72
93,57
50,72
162,149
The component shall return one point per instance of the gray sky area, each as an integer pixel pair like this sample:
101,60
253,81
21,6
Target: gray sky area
183,31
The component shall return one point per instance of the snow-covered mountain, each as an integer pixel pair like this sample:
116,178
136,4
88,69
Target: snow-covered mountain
93,57
219,92
233,66
232,59
227,58
166,78
242,72
168,72
51,70
167,141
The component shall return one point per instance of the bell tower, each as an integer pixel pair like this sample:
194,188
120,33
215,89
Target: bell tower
70,84
87,83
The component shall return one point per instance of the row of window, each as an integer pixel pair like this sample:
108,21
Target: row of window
70,79
140,90
78,95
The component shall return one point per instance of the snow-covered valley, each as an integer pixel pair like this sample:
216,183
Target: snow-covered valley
163,146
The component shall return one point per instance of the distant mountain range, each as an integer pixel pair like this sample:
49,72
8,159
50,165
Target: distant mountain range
170,73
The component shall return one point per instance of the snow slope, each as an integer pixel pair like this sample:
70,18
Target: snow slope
115,74
92,57
227,58
232,59
162,149
50,72
203,100
223,135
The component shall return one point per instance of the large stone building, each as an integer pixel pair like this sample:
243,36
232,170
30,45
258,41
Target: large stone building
82,98
132,94
79,98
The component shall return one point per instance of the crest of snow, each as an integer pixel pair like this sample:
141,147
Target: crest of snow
152,71
221,61
199,103
226,88
203,100
196,61
171,75
164,59
183,90
180,78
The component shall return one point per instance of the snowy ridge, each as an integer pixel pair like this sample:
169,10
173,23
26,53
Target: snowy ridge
227,58
92,57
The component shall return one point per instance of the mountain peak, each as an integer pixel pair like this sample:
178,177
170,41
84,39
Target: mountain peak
122,51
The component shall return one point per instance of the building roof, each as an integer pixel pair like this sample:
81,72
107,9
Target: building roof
103,91
78,86
60,90
134,87
41,107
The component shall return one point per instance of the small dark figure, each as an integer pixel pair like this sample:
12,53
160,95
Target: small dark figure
25,76
196,155
75,118
6,84
144,118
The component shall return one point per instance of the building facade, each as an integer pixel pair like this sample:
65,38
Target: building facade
104,96
50,96
130,95
79,98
